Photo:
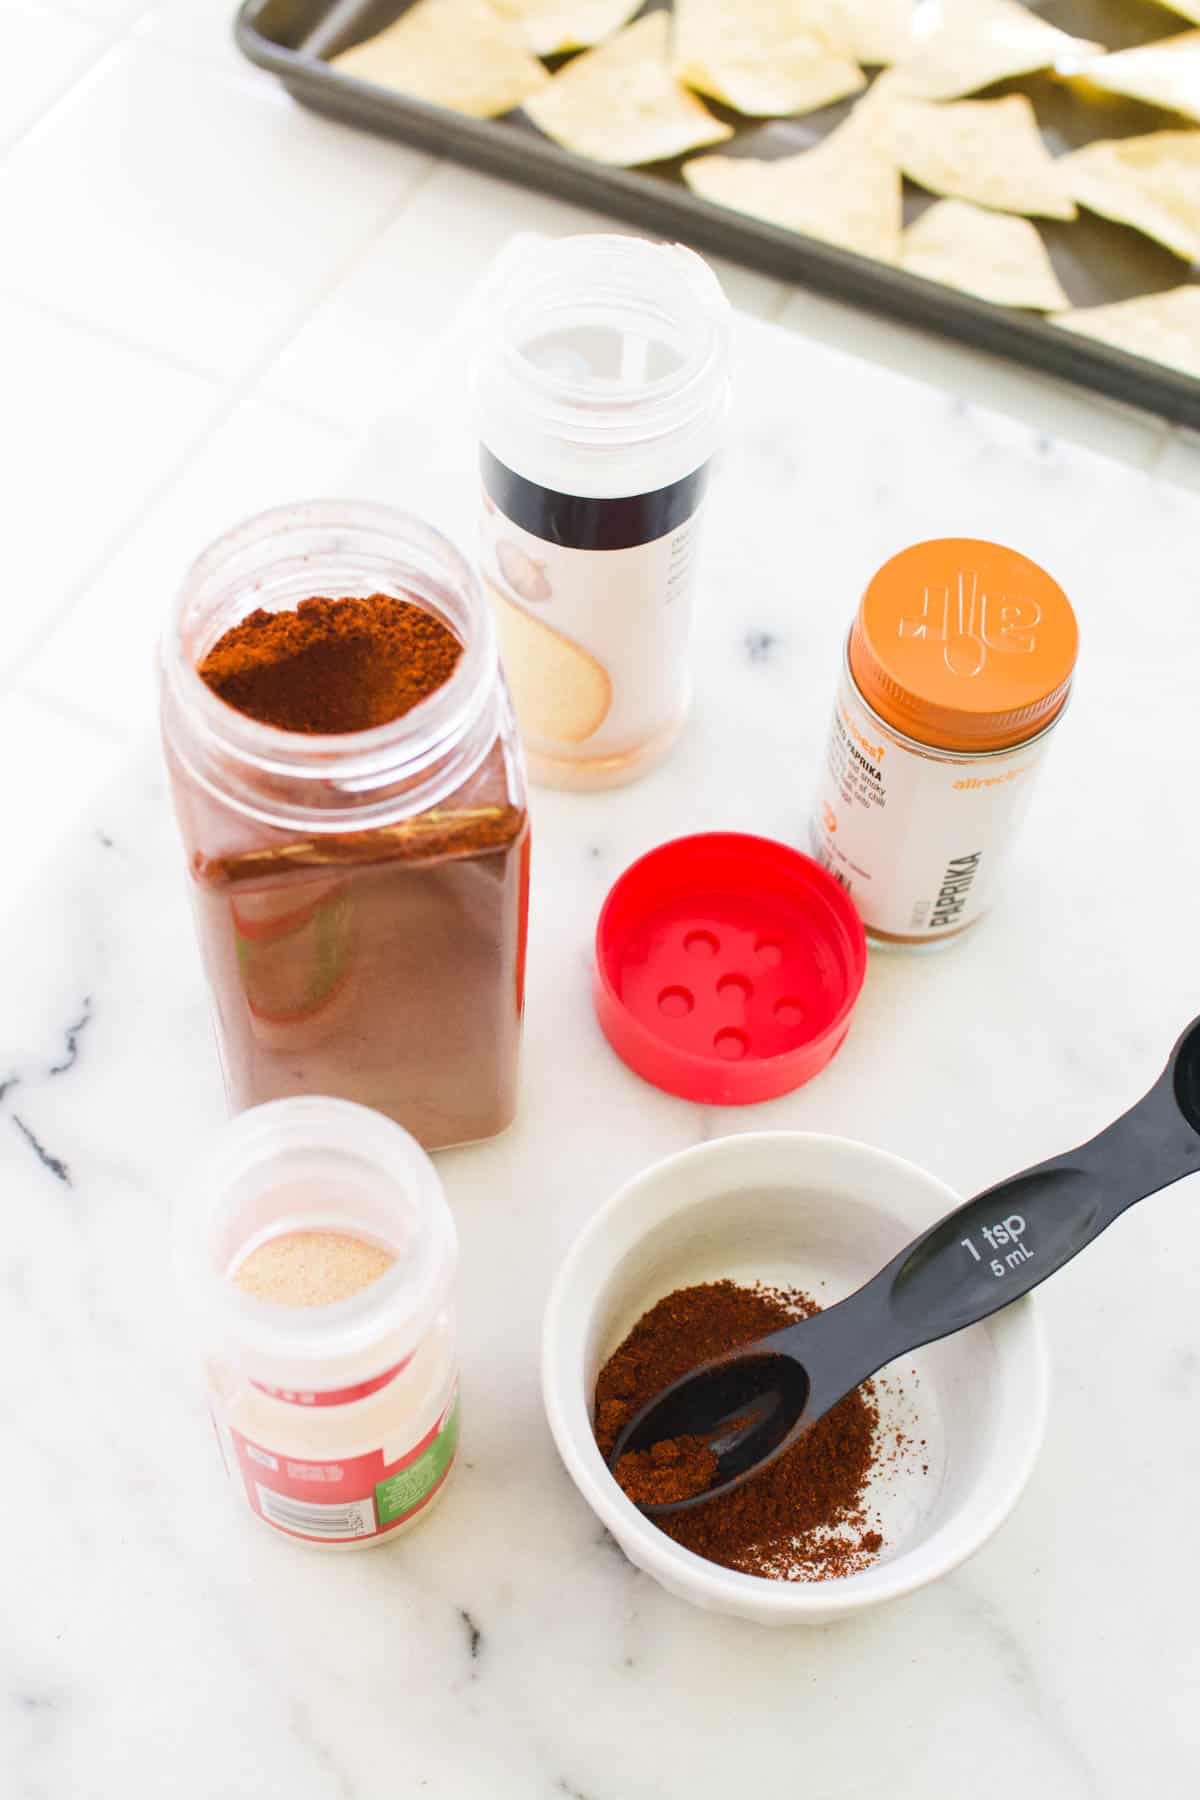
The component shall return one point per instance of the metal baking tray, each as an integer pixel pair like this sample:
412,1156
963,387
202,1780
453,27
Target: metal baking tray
1096,261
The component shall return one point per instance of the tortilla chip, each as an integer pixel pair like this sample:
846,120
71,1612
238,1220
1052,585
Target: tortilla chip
958,46
842,191
454,53
1165,328
1166,74
759,56
620,103
871,31
991,255
987,151
1151,183
551,26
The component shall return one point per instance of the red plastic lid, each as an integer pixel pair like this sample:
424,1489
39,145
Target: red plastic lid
727,968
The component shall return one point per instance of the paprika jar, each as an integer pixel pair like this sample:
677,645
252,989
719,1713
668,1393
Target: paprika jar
957,670
320,1263
360,896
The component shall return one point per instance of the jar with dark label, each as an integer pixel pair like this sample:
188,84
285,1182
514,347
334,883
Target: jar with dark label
361,897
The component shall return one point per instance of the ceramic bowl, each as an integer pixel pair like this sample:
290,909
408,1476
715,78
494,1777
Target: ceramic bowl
821,1214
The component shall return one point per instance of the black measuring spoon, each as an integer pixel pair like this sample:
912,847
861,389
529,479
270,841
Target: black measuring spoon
751,1405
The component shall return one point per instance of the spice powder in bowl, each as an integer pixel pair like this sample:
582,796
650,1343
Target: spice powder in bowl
804,1518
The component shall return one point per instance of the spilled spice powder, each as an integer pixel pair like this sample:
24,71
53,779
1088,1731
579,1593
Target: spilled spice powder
804,1518
332,665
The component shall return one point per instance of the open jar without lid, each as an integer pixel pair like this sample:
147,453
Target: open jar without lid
360,898
601,389
338,1422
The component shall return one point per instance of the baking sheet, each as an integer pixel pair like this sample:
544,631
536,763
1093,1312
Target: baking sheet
1097,261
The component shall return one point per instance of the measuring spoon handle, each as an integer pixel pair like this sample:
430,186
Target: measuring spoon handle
1005,1241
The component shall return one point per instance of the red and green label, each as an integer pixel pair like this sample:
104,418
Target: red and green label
358,1497
402,1493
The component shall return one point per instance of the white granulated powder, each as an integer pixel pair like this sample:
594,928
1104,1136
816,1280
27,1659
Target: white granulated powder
311,1268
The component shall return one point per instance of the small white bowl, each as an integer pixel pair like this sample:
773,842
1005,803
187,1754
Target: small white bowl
821,1214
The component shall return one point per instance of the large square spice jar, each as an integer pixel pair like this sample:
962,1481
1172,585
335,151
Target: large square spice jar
351,798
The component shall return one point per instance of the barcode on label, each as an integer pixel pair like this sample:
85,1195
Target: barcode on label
352,1519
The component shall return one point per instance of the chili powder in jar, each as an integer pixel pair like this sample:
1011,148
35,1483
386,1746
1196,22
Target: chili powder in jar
351,798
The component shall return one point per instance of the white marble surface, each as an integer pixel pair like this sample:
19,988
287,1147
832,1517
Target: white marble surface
205,294
156,1642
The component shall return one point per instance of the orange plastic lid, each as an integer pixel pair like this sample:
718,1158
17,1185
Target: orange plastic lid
964,645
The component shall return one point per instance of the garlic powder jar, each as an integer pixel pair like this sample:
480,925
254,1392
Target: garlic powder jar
957,671
601,387
323,1266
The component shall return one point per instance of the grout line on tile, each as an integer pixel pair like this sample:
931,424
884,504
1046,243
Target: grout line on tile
1172,435
69,709
168,359
104,50
1166,437
312,415
1158,431
78,80
266,90
210,59
241,74
112,546
86,18
234,396
787,293
344,269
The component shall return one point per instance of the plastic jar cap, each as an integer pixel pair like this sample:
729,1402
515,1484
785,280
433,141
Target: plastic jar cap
964,645
727,968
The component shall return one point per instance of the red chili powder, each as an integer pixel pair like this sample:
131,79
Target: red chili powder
804,1518
332,665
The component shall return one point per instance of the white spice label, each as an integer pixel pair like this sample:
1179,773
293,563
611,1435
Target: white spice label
916,835
593,605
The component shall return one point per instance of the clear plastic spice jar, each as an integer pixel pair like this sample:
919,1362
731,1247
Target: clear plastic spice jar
360,899
601,386
957,669
337,1417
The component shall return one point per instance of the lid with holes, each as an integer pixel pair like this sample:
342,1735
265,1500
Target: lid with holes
727,968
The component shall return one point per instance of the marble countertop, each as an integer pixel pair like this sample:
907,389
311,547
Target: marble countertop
156,1642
